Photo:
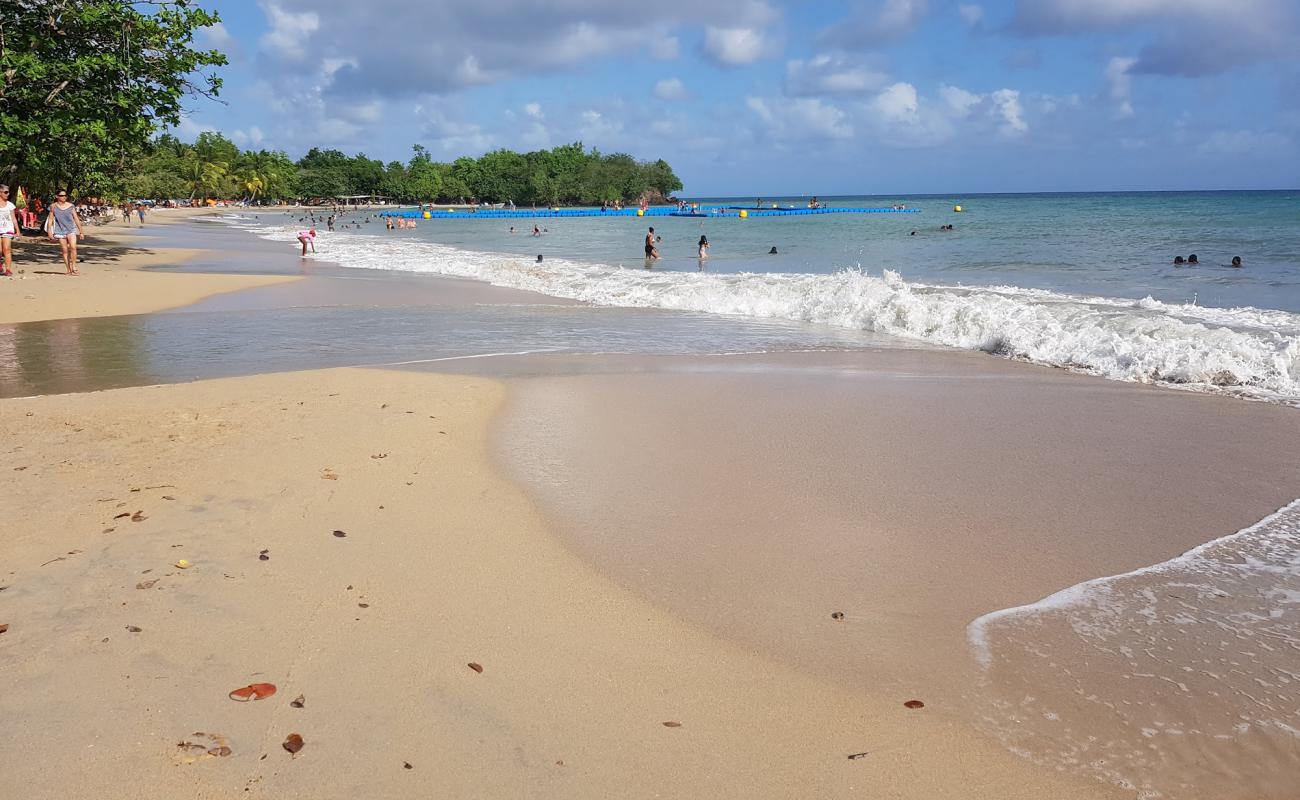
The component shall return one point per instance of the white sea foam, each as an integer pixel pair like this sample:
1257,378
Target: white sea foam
1248,351
1180,678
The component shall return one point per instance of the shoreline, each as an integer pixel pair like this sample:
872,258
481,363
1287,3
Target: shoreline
119,275
443,563
882,460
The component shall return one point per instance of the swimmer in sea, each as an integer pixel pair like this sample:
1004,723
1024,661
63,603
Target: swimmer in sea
772,252
704,247
537,231
1236,262
1192,259
651,252
1178,261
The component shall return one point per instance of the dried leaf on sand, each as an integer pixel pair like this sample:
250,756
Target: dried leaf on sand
253,691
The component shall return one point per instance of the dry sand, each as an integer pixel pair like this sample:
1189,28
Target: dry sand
444,563
113,278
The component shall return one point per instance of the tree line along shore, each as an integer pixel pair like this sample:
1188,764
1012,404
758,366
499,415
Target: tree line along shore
213,167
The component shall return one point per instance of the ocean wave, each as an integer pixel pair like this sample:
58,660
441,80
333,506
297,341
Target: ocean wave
1169,679
1245,351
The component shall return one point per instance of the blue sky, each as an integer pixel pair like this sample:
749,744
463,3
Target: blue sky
751,97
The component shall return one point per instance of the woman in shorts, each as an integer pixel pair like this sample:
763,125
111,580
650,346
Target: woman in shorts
65,225
9,230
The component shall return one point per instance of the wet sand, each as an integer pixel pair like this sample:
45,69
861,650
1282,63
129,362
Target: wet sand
910,491
119,275
116,662
637,540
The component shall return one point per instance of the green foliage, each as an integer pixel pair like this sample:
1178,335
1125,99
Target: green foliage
213,167
84,84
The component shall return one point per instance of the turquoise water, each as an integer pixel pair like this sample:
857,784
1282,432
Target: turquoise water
1119,245
1083,281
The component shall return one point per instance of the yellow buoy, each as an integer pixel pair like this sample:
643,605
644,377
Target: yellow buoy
957,209
640,212
743,213
427,215
774,205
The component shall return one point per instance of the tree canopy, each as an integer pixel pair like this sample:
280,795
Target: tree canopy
85,84
213,167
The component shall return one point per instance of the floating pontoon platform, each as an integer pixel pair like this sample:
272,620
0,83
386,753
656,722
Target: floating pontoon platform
659,211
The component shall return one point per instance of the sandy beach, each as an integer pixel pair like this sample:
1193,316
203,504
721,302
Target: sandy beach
114,656
564,575
118,275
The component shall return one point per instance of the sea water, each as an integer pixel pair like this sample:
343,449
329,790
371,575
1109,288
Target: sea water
1083,281
1181,679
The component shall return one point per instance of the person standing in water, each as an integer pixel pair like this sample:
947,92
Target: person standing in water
65,225
651,252
10,229
307,237
704,247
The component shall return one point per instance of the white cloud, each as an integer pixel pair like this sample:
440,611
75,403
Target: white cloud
1191,37
599,128
534,111
250,139
288,30
453,136
959,101
971,14
898,103
665,47
877,23
217,36
1244,143
804,118
1007,103
670,89
189,129
902,118
443,47
735,47
1120,83
831,74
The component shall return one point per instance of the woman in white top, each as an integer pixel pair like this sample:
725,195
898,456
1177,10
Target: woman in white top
9,230
64,224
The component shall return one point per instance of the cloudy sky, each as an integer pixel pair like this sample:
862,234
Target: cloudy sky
801,97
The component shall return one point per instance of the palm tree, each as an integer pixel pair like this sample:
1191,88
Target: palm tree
249,175
203,175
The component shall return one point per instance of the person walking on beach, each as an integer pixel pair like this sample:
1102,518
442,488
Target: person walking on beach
307,237
651,252
64,224
139,212
9,230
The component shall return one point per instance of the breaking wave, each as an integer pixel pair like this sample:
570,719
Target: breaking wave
1245,351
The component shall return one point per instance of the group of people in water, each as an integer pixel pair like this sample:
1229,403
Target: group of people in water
1193,260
